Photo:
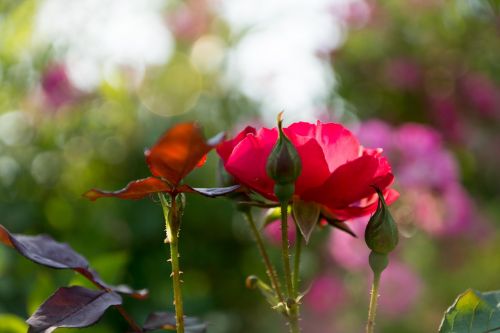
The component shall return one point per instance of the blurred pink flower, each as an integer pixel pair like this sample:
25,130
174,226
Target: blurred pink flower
446,114
273,231
56,86
447,213
428,174
191,20
327,292
403,73
481,94
400,288
423,159
350,252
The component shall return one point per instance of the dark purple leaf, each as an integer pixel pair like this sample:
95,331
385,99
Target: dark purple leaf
94,277
46,251
216,191
341,225
166,321
72,307
160,320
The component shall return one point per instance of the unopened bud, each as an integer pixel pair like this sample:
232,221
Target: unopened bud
283,165
252,282
381,233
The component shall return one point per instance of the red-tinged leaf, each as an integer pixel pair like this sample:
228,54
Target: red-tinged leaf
216,191
134,190
166,321
72,307
122,288
177,152
44,250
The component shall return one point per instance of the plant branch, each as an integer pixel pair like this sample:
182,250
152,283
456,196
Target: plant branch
271,272
372,310
172,220
285,247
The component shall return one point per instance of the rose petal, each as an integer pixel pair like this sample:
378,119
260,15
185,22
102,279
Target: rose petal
353,182
177,152
134,190
314,166
247,162
338,143
351,212
226,148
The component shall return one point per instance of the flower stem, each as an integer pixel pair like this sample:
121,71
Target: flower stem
172,221
372,310
293,316
296,268
271,272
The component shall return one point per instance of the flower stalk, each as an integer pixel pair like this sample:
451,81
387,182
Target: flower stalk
381,236
271,272
292,306
172,210
372,310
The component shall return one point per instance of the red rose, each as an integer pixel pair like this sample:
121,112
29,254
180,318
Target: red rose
337,172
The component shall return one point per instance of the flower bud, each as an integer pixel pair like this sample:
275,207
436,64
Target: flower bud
284,165
381,233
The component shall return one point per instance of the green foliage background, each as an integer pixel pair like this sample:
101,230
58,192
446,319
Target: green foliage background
98,141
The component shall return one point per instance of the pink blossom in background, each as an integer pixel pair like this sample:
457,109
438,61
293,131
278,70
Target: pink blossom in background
347,251
481,94
355,13
428,173
400,288
56,86
403,73
446,114
191,20
447,213
273,231
423,159
326,293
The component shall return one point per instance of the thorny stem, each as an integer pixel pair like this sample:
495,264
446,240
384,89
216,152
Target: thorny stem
296,268
271,272
372,310
291,302
172,221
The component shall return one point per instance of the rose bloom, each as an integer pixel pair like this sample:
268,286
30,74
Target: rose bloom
337,172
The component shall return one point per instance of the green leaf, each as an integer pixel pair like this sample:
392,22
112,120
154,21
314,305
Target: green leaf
473,312
306,215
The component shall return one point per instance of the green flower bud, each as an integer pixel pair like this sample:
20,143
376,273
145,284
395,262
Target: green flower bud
381,233
284,165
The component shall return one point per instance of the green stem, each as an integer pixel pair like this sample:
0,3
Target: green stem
372,310
271,272
285,245
296,268
172,219
293,317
